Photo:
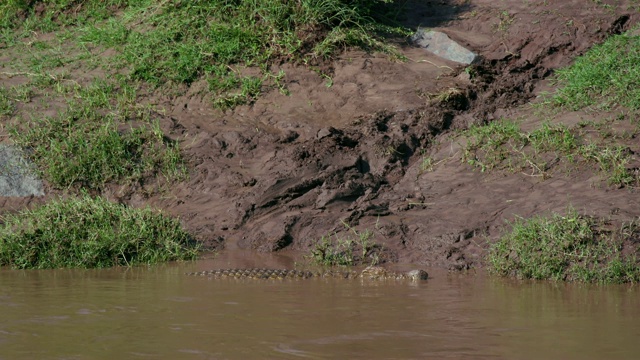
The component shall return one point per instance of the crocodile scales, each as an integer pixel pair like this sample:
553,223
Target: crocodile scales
371,272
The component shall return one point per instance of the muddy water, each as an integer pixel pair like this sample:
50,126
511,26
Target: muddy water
159,313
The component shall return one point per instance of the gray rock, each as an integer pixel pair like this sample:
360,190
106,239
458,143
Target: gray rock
17,177
440,44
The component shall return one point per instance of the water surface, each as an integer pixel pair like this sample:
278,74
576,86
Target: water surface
159,313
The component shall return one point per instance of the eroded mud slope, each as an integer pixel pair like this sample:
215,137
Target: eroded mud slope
281,173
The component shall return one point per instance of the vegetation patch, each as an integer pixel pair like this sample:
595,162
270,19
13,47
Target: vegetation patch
7,106
356,248
569,248
90,232
84,148
502,145
181,42
606,76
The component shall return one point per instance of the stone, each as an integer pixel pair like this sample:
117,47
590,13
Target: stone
440,44
17,178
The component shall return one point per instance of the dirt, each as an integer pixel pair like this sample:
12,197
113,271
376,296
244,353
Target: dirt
277,175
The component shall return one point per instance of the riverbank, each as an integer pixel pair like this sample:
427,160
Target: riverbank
371,135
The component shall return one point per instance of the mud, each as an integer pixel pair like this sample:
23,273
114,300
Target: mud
280,173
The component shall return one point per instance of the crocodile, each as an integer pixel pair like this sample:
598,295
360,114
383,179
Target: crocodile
371,273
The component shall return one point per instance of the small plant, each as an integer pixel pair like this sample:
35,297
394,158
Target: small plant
248,92
488,146
568,248
331,252
505,22
328,80
426,164
90,232
346,251
448,95
471,71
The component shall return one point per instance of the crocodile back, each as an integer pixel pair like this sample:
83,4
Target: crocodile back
371,272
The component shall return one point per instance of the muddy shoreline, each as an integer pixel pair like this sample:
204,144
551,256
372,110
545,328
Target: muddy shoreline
279,174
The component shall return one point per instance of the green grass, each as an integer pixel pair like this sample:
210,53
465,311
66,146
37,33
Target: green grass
612,160
502,145
10,97
84,148
7,106
357,247
566,248
606,76
178,43
90,232
101,135
22,13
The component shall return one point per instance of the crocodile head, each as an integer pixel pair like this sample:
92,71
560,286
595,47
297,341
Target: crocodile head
377,273
417,275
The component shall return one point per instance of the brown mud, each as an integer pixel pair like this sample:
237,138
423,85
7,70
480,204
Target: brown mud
280,173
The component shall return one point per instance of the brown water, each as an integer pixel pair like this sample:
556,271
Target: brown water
160,313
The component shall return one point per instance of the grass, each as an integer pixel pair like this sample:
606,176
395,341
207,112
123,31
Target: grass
90,232
178,43
7,106
50,15
336,250
84,148
606,76
505,21
101,134
10,97
502,145
567,248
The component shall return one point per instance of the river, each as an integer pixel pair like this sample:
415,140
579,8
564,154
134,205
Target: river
160,313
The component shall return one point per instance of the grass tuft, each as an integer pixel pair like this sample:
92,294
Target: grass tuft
7,106
90,232
566,248
346,250
502,145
